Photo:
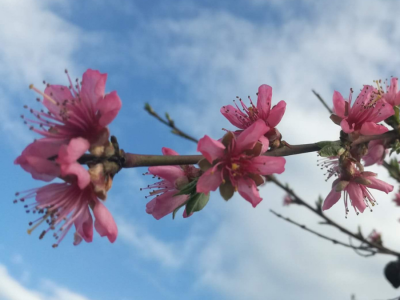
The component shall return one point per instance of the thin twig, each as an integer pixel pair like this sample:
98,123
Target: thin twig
372,252
322,101
318,211
170,123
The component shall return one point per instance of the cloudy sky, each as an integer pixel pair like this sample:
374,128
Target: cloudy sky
189,58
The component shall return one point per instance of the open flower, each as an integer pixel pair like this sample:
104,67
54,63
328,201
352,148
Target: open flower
173,179
355,188
65,204
249,115
80,110
235,163
361,117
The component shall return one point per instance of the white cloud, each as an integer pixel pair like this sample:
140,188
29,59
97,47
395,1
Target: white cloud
11,289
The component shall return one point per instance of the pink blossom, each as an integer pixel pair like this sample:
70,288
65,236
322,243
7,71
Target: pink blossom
46,159
355,188
375,237
173,179
65,204
363,116
249,115
80,110
237,163
287,200
392,96
376,153
35,159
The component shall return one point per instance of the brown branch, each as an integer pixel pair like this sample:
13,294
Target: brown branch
318,211
170,123
322,101
304,227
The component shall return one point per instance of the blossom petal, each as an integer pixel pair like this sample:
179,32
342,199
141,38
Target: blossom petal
232,114
84,225
211,149
375,153
369,128
35,159
169,173
79,171
264,100
249,137
108,108
248,190
346,127
356,196
71,153
338,104
168,151
104,221
380,185
93,87
382,111
59,93
209,181
332,198
267,165
165,204
276,113
265,143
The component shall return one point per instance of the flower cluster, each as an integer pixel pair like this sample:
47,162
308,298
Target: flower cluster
233,163
371,106
76,122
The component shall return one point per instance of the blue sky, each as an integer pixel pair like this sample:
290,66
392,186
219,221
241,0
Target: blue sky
189,58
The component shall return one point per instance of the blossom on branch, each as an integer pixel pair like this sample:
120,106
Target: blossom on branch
65,204
392,96
80,110
354,184
235,164
249,115
165,191
375,237
361,117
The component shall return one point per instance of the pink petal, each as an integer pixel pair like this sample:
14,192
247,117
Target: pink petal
211,149
382,111
93,87
346,127
267,165
332,198
209,181
104,222
249,137
71,153
356,196
264,100
375,152
59,93
232,114
35,159
393,85
185,214
168,151
265,143
169,173
108,108
79,171
151,205
248,190
84,225
338,104
166,204
380,185
370,128
276,114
